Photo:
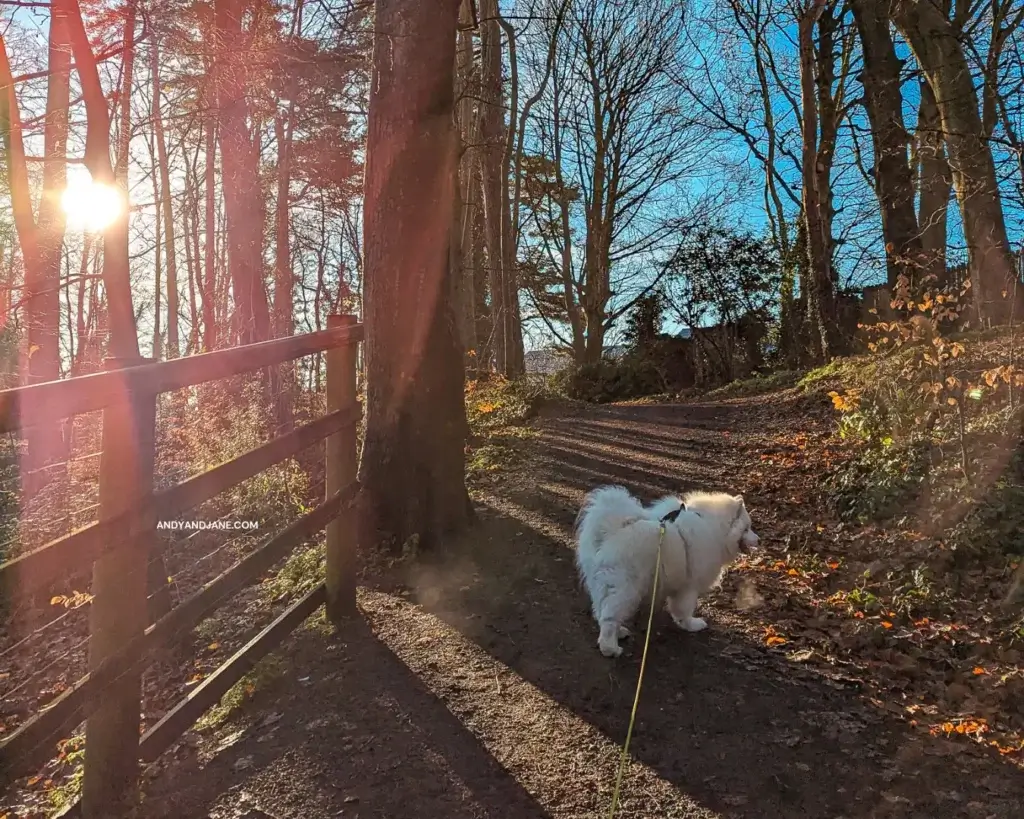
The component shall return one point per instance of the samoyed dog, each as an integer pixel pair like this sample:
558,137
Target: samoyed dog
618,549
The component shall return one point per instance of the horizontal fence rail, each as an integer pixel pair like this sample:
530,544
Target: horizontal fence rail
108,697
77,551
56,400
29,746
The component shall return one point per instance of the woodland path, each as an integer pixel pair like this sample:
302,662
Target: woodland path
474,687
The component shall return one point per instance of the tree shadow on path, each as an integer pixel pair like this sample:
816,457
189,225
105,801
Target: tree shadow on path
348,731
728,724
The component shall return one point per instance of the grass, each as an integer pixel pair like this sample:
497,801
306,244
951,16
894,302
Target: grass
72,758
499,412
757,385
269,669
301,572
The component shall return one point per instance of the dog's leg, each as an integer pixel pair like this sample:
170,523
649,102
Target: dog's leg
681,606
616,608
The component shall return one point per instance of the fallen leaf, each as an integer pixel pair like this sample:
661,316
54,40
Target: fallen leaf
978,671
886,624
775,640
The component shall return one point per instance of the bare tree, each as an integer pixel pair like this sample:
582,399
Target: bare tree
209,235
821,115
173,347
240,154
934,185
760,109
123,340
892,175
464,212
614,146
40,237
494,166
936,44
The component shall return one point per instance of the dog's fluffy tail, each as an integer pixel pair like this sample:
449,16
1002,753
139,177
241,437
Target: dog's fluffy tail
606,509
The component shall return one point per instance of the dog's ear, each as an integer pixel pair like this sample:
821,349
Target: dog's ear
739,500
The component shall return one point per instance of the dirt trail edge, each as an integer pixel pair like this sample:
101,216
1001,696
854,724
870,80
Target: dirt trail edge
473,688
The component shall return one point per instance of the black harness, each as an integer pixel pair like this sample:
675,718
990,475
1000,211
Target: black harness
671,516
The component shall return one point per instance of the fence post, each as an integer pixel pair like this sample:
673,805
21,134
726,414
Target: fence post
119,611
340,469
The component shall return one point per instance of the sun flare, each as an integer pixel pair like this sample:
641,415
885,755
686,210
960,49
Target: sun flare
91,206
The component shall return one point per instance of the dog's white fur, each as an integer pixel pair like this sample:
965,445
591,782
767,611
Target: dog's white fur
618,550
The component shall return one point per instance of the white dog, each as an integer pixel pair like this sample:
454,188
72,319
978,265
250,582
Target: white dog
618,549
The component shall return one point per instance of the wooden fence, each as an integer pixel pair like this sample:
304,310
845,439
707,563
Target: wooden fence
118,547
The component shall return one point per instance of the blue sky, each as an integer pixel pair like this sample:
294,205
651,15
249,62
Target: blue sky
857,228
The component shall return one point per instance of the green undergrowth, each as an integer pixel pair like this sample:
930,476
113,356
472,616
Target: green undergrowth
756,385
609,381
302,571
267,670
499,412
931,435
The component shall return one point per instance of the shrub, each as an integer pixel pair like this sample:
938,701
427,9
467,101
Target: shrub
220,422
878,417
878,483
609,380
931,408
995,519
496,402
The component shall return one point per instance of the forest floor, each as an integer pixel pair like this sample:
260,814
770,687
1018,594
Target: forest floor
472,685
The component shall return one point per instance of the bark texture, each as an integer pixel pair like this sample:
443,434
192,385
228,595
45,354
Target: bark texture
893,178
935,186
412,468
934,41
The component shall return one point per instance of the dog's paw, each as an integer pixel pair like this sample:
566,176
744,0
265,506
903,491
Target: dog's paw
624,633
695,624
609,649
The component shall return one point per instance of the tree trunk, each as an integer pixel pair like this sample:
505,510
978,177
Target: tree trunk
569,294
210,239
173,348
81,329
40,239
243,194
820,294
190,225
595,264
492,130
284,306
463,236
935,186
157,259
940,54
515,364
284,283
892,172
412,469
120,315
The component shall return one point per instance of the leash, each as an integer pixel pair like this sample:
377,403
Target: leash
671,516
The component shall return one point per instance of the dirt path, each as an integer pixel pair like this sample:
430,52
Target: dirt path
475,689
